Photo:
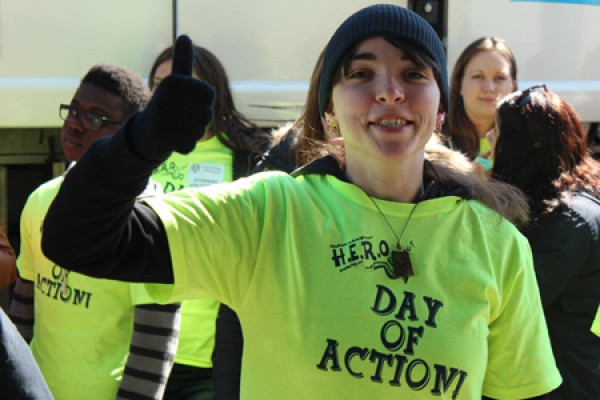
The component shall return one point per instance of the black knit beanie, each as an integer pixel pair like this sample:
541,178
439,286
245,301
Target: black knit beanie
382,20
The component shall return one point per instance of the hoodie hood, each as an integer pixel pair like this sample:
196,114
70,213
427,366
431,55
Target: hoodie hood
447,173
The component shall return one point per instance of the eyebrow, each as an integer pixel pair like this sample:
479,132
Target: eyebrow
95,110
363,56
370,56
482,71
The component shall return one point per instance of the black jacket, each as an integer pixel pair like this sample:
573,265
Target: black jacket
566,257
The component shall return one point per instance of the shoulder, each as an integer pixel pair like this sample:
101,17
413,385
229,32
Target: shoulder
581,210
266,180
569,231
496,222
49,186
270,188
587,206
45,193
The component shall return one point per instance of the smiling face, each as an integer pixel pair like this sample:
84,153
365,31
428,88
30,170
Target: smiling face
385,105
486,80
90,99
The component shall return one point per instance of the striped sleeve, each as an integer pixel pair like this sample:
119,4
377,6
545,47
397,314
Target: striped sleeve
152,351
21,308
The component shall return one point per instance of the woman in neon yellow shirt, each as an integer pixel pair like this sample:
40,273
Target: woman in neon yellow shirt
375,272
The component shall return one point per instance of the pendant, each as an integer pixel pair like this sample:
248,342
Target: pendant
402,265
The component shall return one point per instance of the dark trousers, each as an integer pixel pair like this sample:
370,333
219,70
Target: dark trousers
189,383
20,376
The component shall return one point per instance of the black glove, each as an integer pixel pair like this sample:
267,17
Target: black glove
178,113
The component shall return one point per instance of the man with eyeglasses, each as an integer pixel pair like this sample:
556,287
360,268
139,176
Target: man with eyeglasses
81,329
89,121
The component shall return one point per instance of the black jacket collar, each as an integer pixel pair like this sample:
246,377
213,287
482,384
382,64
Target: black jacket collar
434,187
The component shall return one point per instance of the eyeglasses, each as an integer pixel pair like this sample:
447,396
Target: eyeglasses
89,121
523,100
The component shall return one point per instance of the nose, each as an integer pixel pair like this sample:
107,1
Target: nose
489,84
389,91
73,123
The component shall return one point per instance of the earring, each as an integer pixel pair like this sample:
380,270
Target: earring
438,128
334,128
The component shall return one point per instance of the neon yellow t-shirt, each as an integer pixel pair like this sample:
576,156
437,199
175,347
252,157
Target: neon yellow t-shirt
82,326
210,162
305,273
484,146
485,154
596,323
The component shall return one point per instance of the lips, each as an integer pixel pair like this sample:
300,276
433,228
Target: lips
390,123
70,142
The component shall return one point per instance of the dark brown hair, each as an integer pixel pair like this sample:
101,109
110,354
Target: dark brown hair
460,131
232,128
542,149
312,141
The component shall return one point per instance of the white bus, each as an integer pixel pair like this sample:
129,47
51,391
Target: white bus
269,47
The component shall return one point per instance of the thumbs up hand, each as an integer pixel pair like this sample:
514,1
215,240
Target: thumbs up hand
178,113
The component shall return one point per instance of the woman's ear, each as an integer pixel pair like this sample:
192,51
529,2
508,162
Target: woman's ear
439,119
330,123
514,85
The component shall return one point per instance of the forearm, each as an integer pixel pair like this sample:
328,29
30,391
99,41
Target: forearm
21,308
227,358
152,351
95,226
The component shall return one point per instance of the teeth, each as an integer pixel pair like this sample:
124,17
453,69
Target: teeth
391,122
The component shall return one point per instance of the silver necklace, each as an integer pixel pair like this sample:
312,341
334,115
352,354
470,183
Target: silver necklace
401,264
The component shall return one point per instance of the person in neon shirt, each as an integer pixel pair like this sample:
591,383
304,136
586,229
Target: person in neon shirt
84,332
343,274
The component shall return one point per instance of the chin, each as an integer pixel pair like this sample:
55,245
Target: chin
72,156
395,151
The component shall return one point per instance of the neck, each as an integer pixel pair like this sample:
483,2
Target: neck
401,182
483,126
